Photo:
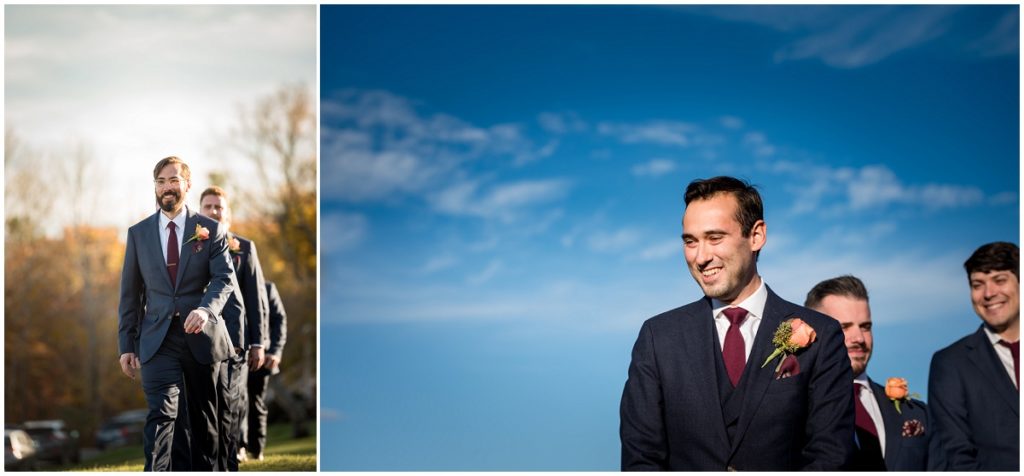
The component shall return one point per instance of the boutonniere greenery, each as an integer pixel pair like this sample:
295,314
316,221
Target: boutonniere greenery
201,234
791,336
896,390
234,245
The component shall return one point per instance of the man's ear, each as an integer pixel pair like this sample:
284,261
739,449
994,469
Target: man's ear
758,235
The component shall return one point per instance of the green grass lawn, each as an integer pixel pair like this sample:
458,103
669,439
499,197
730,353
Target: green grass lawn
283,453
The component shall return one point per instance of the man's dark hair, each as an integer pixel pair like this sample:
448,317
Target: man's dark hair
215,191
846,285
996,256
185,172
750,209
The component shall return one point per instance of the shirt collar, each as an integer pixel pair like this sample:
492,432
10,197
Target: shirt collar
754,304
863,380
179,221
992,336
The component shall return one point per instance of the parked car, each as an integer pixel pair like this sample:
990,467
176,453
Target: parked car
123,429
19,451
53,441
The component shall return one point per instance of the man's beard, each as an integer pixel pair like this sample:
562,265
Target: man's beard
171,206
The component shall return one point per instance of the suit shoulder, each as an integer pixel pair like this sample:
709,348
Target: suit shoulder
677,314
956,350
141,223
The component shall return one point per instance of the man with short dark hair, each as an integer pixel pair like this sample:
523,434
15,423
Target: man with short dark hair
708,389
249,329
890,436
974,384
176,279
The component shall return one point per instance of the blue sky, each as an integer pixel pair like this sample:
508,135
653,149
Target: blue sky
501,197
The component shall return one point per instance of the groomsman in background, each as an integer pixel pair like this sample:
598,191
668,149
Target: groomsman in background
889,437
974,384
252,288
254,431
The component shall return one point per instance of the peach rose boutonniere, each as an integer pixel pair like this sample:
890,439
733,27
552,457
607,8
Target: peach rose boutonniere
234,245
791,336
202,234
897,390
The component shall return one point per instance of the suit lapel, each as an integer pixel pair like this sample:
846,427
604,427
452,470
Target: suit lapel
701,337
186,248
981,354
893,423
151,234
755,379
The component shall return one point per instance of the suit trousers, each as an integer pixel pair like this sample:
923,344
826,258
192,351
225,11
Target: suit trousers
172,374
231,400
256,439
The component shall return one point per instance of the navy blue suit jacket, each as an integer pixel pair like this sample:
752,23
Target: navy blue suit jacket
974,406
905,452
672,417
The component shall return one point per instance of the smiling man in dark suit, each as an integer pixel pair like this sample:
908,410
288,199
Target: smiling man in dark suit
176,279
974,384
706,389
889,437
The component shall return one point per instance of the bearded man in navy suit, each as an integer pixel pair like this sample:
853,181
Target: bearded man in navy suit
177,278
974,384
707,388
891,436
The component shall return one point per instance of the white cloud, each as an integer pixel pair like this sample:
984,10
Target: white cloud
438,263
759,144
663,250
341,231
857,36
377,147
871,187
731,122
654,168
1003,198
502,201
492,270
561,123
613,241
671,133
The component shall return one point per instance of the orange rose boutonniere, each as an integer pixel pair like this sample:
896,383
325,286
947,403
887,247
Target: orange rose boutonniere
201,234
791,336
234,245
897,391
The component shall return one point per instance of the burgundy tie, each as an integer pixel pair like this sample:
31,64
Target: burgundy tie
733,350
863,418
172,253
1015,350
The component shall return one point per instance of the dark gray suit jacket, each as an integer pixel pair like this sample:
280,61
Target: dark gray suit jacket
672,412
252,288
149,300
975,408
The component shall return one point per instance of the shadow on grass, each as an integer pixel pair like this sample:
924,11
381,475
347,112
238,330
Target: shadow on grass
283,453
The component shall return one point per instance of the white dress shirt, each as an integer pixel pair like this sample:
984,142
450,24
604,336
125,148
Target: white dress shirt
867,398
1003,352
754,304
179,222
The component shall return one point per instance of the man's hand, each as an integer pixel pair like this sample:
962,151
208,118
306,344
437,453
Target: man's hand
195,321
272,361
255,357
129,362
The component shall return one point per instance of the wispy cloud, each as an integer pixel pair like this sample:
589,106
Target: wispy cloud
672,133
731,122
654,168
857,36
438,263
872,187
502,201
486,274
377,146
617,240
341,231
758,143
663,250
562,123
